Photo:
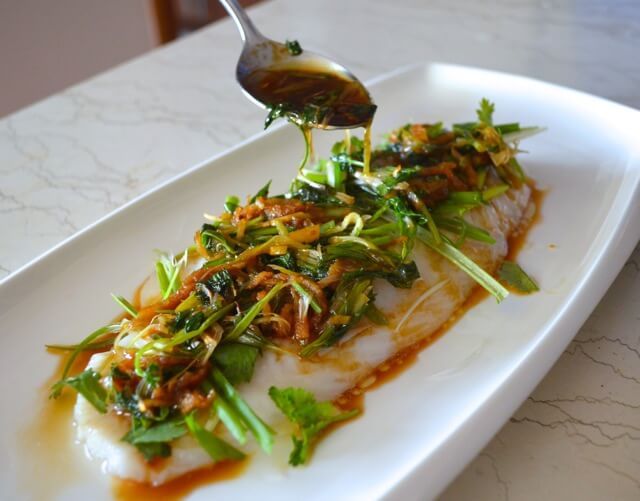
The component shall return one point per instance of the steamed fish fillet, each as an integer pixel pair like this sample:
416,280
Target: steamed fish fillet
413,315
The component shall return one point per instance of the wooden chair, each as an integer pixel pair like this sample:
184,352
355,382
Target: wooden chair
176,17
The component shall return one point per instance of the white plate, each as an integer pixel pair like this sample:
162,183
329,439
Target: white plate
420,429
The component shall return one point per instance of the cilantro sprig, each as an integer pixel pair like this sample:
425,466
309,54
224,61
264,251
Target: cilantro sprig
310,417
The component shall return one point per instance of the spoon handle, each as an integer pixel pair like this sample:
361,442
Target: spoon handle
248,31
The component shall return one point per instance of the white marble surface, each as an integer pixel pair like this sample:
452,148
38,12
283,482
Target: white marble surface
74,157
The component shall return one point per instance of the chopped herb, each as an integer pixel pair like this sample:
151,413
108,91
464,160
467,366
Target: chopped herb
262,192
194,321
436,130
258,428
293,46
308,297
231,419
231,203
162,432
218,449
236,361
507,128
168,273
515,276
126,305
88,385
214,241
243,323
310,416
494,192
57,388
485,112
154,450
95,346
466,264
152,375
220,282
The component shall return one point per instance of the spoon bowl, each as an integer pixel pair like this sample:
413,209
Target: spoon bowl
307,88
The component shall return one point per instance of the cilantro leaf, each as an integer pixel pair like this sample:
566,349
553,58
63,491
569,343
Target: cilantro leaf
163,432
154,450
513,275
218,449
310,416
88,385
236,361
485,112
293,46
154,441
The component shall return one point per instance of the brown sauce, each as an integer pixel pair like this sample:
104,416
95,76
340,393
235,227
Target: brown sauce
54,461
50,440
312,97
398,363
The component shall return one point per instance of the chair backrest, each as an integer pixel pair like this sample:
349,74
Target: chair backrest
47,45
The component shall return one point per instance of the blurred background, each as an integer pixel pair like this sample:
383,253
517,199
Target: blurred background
47,45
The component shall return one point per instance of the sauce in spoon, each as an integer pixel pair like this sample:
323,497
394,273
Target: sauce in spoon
313,98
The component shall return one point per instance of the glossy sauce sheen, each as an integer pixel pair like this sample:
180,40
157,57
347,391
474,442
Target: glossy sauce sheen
127,490
332,100
53,428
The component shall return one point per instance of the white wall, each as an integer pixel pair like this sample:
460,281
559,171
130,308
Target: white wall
47,45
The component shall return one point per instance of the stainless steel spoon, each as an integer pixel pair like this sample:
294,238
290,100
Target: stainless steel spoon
270,75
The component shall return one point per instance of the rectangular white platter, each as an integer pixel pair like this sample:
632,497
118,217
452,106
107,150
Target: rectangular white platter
420,429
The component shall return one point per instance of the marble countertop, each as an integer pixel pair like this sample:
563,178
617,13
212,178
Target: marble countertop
76,156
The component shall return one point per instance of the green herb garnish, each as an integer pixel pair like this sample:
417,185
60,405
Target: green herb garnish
125,305
310,416
258,428
236,361
87,383
218,449
293,46
485,111
513,275
296,273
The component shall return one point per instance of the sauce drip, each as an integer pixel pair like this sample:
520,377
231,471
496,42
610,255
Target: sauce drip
311,97
367,149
